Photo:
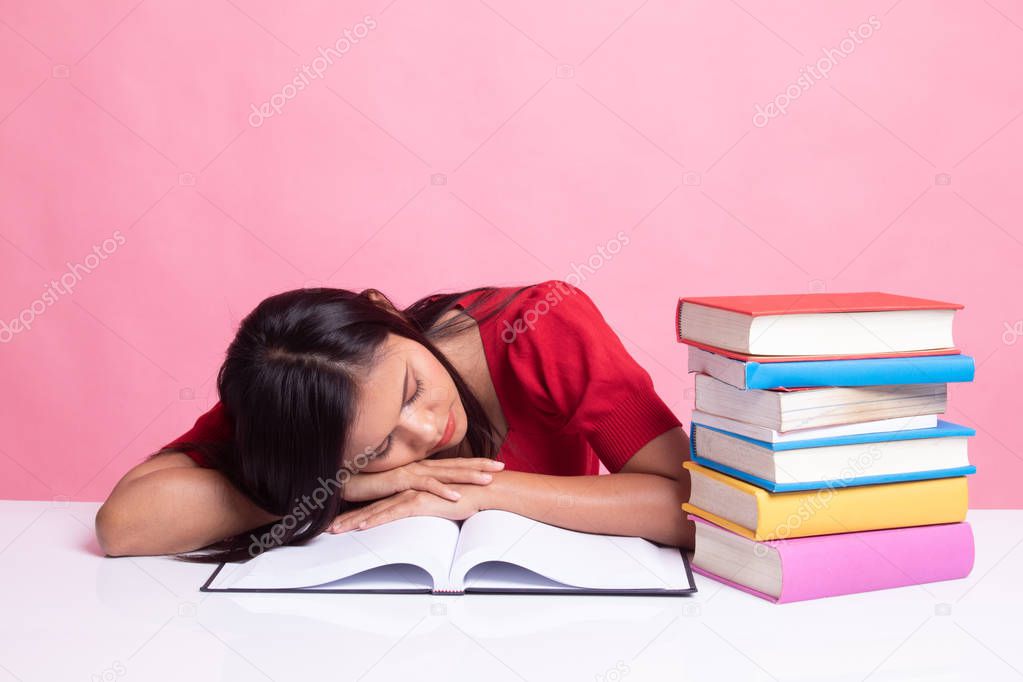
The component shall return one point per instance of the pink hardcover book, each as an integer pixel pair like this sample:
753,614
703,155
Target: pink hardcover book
819,566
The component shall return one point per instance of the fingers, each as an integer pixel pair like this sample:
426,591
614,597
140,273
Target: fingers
475,470
356,520
481,463
454,476
350,520
435,482
383,516
437,488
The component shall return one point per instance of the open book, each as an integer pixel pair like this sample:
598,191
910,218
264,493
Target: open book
492,551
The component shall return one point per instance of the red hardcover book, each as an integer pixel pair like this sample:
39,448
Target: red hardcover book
817,325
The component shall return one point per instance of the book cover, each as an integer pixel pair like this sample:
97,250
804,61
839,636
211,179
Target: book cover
822,325
944,429
920,421
848,563
492,551
811,303
840,510
774,487
736,355
753,374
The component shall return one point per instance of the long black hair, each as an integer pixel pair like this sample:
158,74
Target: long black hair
288,385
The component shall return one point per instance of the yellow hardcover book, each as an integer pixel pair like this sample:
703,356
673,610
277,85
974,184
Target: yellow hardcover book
760,515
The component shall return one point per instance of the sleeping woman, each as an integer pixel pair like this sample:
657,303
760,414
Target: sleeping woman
338,412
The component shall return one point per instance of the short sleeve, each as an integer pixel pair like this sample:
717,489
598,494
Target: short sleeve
212,426
582,375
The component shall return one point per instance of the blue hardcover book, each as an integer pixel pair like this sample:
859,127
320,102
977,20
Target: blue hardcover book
921,369
836,462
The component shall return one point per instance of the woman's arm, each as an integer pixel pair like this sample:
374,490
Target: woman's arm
168,505
644,499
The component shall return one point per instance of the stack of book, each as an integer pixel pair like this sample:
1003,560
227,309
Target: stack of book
819,465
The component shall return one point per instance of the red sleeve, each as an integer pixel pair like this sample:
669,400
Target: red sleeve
572,361
214,426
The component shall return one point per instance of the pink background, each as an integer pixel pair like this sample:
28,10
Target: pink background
464,143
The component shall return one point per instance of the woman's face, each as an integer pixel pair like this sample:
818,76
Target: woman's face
408,409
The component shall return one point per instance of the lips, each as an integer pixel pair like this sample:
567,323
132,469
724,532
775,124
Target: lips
449,430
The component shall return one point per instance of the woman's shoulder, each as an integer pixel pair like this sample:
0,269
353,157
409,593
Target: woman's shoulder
520,308
214,425
551,309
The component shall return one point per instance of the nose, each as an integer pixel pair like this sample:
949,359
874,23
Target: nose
424,427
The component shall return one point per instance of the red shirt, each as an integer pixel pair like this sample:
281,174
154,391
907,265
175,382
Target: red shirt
569,391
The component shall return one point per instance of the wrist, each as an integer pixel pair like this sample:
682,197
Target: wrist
495,495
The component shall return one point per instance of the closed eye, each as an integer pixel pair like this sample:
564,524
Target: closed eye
390,439
417,394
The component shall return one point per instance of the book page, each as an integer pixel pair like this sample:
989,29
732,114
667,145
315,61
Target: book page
393,577
571,558
425,541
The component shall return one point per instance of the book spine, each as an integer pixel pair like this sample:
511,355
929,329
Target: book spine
862,562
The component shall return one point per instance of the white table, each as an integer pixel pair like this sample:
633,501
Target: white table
69,613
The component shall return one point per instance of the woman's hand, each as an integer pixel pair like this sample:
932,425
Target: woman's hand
412,503
426,475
